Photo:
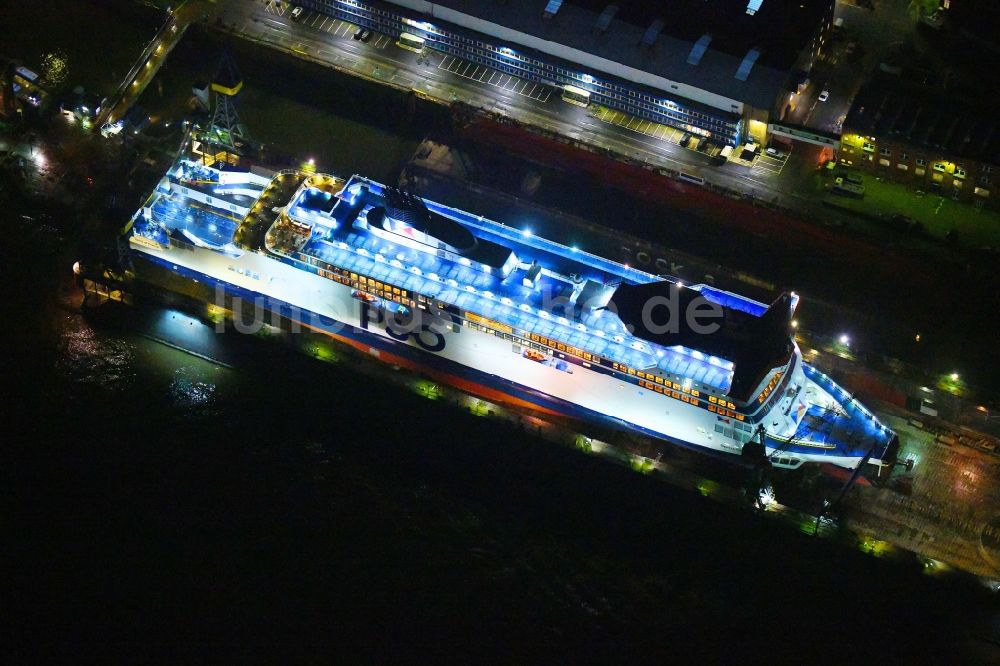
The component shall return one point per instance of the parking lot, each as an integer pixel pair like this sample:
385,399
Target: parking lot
327,24
649,128
491,77
772,165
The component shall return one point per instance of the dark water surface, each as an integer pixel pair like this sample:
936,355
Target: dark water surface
156,500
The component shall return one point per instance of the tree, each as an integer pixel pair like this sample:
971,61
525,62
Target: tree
55,67
922,8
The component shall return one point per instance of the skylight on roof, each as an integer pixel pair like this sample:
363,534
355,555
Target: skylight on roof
652,32
604,20
748,61
698,50
753,6
552,7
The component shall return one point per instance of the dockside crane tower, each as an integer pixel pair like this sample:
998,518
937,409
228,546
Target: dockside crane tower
226,135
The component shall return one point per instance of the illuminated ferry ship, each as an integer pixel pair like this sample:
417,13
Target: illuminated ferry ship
502,312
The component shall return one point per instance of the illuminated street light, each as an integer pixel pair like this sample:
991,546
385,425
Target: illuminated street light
952,383
845,340
795,323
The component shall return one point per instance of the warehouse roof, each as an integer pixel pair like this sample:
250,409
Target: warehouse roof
739,49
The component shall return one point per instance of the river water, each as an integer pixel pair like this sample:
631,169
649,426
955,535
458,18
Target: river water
284,501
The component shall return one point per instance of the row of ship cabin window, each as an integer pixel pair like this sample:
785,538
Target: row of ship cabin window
678,392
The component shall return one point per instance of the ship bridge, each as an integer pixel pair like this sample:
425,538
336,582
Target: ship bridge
837,424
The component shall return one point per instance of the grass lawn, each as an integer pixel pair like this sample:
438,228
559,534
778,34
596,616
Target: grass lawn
939,215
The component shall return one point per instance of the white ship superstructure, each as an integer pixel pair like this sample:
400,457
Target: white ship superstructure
551,325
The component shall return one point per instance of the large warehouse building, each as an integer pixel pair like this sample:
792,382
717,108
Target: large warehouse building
723,69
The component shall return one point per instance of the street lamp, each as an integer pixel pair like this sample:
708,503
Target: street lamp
987,416
845,340
952,383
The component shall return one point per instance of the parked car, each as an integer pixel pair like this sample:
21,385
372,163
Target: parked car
366,35
776,153
823,96
849,176
296,13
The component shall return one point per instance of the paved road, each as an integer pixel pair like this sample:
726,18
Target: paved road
329,40
326,40
867,36
946,504
153,56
